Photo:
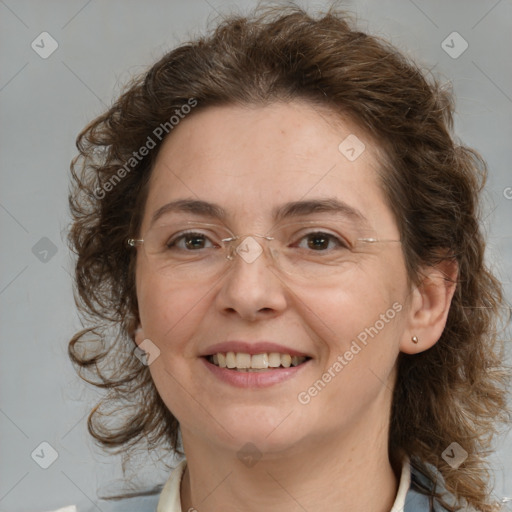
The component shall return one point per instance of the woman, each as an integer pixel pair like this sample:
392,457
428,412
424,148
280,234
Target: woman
277,218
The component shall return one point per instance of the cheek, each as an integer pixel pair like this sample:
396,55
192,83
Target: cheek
359,333
359,296
168,314
169,317
363,317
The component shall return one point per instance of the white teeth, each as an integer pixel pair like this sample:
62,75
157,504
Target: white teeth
274,359
286,360
258,362
230,360
243,360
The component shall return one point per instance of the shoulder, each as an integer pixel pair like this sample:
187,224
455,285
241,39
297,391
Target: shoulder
421,494
427,491
137,504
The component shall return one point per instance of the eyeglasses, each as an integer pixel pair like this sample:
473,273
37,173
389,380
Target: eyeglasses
191,251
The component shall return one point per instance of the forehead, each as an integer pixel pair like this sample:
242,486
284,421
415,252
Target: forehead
250,160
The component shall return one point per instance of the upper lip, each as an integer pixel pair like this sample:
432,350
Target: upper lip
260,347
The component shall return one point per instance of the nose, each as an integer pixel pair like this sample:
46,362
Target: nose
251,288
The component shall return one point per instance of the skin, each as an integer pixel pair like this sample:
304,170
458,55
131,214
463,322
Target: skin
319,456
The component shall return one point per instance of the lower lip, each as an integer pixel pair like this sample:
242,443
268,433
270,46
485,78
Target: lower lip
254,379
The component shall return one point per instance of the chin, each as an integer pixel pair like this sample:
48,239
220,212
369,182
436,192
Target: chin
262,435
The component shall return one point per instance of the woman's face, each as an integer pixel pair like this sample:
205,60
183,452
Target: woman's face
349,321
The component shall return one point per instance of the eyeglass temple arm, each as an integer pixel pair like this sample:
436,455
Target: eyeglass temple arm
241,237
375,240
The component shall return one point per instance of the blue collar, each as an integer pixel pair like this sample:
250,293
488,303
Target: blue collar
420,496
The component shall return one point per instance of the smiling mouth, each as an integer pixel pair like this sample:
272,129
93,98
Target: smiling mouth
243,362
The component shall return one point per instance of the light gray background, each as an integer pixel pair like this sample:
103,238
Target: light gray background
45,102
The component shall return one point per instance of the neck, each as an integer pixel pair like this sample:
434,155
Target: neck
329,473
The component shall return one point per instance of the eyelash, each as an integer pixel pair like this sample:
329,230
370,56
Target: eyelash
182,236
341,243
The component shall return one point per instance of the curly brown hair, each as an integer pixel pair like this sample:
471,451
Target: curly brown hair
454,392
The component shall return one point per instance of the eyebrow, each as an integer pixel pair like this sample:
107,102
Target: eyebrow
287,210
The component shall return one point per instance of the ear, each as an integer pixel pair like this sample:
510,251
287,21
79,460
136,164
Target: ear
429,306
138,335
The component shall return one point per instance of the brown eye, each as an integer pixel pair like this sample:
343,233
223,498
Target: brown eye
190,242
320,241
